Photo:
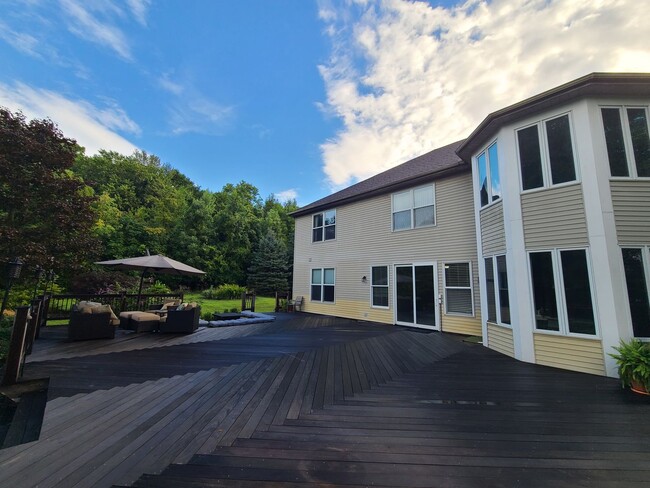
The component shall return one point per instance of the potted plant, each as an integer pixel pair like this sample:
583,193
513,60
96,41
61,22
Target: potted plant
633,361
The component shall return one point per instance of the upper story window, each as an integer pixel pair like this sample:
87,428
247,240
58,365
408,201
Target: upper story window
324,226
627,139
488,174
414,208
546,153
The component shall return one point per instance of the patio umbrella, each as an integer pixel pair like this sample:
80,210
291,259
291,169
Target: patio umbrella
155,264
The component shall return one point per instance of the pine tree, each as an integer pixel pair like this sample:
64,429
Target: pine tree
269,270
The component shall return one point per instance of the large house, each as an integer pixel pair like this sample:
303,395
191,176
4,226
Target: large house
534,232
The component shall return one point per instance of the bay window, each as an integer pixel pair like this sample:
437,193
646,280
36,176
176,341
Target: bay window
498,299
628,140
546,153
562,297
637,279
488,171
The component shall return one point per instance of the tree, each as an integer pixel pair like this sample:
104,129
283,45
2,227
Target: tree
269,270
46,212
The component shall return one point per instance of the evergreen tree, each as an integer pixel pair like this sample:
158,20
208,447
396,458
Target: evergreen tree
269,270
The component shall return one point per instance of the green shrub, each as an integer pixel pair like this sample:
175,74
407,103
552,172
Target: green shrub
223,292
234,310
206,316
158,288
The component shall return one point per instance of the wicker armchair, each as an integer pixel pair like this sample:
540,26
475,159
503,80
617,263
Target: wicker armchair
85,326
181,321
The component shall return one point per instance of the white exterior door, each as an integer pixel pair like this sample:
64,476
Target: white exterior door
415,295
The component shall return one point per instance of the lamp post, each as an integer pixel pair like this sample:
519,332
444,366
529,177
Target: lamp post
13,273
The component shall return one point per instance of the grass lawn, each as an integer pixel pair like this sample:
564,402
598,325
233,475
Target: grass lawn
262,304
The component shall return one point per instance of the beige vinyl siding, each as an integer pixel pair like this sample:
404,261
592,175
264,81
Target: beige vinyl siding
631,202
500,339
364,238
554,218
576,354
493,235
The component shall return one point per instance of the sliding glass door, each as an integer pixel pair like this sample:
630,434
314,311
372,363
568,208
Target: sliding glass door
415,298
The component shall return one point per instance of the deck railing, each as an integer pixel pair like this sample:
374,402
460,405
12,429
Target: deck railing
60,306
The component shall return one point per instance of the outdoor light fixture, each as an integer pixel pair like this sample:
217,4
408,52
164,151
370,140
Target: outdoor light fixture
364,280
13,273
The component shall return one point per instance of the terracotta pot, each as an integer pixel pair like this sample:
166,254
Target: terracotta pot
638,387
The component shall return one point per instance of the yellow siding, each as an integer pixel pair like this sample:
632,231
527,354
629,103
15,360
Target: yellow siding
462,325
576,354
500,339
351,309
493,235
364,238
631,202
554,217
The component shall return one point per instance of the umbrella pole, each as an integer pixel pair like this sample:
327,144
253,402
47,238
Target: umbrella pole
140,289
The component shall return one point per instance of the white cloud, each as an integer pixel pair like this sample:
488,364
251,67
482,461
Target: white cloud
405,77
92,127
192,111
139,10
286,195
88,25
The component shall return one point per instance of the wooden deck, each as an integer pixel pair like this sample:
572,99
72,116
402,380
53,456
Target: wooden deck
327,402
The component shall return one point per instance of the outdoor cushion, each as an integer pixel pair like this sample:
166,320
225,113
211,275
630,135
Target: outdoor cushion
104,309
190,306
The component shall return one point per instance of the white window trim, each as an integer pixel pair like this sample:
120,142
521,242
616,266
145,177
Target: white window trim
471,288
411,190
322,284
560,297
497,296
547,177
323,226
627,139
387,286
489,176
645,257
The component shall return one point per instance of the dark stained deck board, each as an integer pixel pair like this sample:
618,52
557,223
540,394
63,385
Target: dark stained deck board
335,403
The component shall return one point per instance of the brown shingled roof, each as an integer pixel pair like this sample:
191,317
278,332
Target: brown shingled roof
418,170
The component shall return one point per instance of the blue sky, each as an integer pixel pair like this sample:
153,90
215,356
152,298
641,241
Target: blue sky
297,97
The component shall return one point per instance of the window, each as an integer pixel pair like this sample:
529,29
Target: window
379,285
488,171
458,289
562,292
637,278
627,140
551,163
322,285
324,228
414,208
497,301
